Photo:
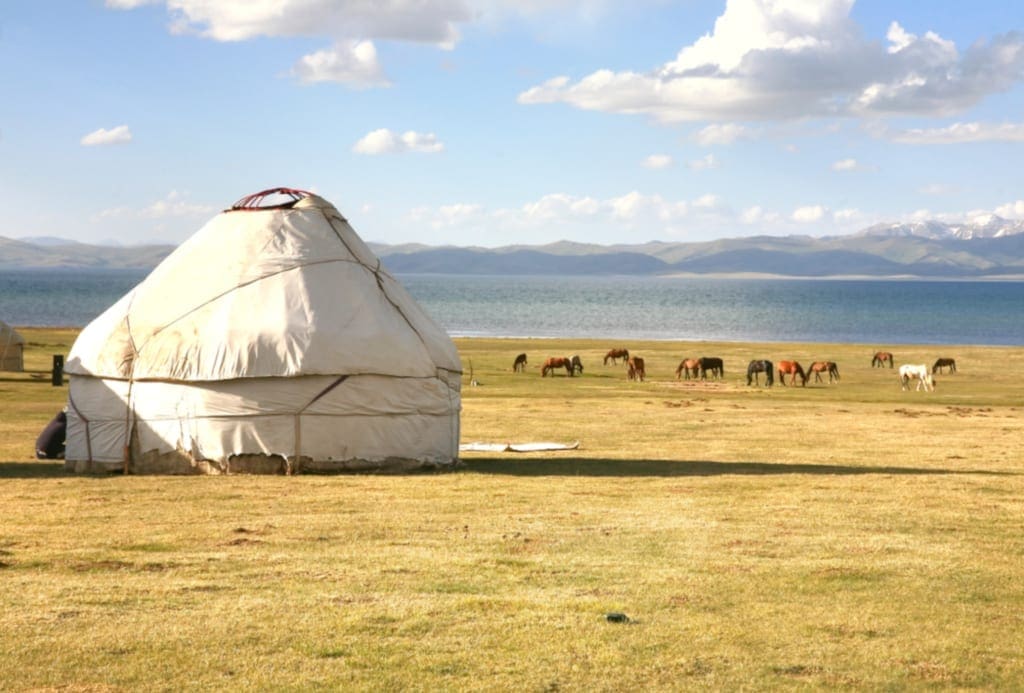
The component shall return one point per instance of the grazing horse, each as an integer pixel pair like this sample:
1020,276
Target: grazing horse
577,365
819,367
711,364
762,366
519,365
688,367
944,363
614,354
635,368
919,373
556,362
879,359
794,369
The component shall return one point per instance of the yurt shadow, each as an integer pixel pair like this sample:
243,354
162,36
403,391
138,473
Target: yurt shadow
52,469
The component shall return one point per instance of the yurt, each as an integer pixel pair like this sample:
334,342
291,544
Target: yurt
271,341
12,349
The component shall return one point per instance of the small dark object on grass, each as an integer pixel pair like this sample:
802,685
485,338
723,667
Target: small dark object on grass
616,617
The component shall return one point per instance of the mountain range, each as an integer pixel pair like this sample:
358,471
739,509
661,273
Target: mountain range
986,247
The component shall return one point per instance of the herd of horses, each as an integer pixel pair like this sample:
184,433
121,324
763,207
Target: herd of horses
693,368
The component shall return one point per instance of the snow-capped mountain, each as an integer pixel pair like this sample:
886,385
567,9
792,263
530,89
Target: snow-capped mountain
981,226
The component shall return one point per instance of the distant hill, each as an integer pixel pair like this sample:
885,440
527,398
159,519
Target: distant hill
986,247
52,254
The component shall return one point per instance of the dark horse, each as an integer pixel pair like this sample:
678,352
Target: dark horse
762,366
880,358
556,362
519,365
615,354
819,367
713,365
577,365
944,363
794,369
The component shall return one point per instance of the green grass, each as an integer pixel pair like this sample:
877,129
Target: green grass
850,536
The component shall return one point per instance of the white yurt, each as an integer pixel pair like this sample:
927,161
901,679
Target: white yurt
271,341
12,349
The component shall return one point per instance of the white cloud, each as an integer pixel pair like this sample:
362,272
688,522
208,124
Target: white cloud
760,216
845,165
351,24
809,214
384,141
425,21
559,206
448,216
174,205
118,135
633,211
704,162
349,62
790,59
721,133
937,189
959,133
658,161
709,202
1011,210
128,4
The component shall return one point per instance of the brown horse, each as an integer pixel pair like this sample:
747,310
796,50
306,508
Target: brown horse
792,368
879,359
557,362
944,363
819,367
519,365
615,354
635,368
688,367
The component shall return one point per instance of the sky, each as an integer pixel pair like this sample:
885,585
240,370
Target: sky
501,122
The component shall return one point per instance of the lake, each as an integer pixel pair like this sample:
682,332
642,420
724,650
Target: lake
881,312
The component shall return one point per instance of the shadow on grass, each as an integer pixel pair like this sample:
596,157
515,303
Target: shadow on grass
575,466
43,469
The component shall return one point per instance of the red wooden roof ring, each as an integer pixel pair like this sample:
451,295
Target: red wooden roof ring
252,202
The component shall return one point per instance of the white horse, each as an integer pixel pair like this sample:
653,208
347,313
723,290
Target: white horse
919,373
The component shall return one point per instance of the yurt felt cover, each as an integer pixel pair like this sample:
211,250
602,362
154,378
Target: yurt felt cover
271,340
12,349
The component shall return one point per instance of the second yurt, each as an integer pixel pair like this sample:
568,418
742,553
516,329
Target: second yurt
12,349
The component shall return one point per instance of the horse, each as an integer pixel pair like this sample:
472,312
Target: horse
712,364
763,366
577,365
556,362
944,363
519,365
688,367
919,373
635,368
794,369
879,359
819,367
614,354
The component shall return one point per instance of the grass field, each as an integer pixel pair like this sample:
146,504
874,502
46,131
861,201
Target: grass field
848,535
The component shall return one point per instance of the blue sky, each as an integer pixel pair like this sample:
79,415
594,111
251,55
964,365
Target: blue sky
495,122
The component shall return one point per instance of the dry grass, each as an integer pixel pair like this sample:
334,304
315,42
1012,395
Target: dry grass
850,535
